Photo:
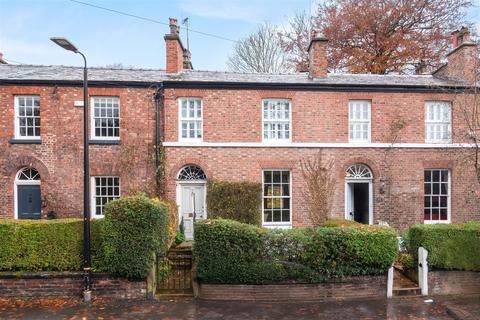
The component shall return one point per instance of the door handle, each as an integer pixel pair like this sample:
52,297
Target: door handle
351,213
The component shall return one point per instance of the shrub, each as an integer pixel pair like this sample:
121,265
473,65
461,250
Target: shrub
450,246
406,260
339,222
135,228
240,201
179,237
41,245
226,251
172,219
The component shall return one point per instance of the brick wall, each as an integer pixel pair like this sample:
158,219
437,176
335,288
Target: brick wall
235,116
59,158
453,282
68,284
322,117
347,288
401,204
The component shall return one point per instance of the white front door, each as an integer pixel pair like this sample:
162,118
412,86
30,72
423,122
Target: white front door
192,206
359,201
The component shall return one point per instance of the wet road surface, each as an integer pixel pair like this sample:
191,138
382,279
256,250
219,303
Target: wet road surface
397,309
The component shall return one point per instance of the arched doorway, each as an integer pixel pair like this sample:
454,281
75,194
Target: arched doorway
28,201
191,197
359,194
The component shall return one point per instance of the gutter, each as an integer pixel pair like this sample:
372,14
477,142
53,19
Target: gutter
245,85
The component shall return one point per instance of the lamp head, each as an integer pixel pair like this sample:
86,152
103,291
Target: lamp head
64,43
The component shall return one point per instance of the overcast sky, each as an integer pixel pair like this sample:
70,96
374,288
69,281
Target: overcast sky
107,38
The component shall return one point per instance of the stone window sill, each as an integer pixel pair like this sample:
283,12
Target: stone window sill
104,142
25,141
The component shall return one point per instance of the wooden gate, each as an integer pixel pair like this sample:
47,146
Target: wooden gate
174,272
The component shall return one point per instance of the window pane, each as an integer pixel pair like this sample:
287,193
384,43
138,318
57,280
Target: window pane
276,176
267,176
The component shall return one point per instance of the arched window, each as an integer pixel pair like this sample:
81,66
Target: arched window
28,174
191,172
358,171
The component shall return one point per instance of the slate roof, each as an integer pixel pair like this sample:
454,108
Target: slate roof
36,73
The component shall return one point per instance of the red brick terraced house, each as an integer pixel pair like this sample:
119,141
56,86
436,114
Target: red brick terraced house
240,127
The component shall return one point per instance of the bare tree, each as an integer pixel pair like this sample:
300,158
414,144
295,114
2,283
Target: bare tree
295,40
320,187
260,52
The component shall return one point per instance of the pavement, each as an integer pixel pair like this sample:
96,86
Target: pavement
414,308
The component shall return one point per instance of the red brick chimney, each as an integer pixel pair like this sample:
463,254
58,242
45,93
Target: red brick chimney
317,56
462,60
178,58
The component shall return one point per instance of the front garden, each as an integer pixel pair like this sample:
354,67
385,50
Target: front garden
134,229
230,252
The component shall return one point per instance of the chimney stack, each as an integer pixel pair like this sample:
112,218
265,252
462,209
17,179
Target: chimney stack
462,60
317,56
178,58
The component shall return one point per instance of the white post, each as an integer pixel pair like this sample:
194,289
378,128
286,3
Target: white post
390,283
423,270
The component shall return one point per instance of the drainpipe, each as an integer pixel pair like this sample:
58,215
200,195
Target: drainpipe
158,96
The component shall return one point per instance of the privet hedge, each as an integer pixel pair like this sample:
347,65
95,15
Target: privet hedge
227,251
44,245
134,229
122,243
450,246
240,201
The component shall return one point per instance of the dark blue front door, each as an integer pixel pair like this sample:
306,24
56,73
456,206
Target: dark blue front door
29,201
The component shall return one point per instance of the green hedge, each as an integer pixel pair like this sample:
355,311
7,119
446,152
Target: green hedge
47,245
134,229
226,251
240,201
32,245
339,222
450,246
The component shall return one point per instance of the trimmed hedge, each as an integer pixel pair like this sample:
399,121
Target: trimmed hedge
240,201
227,251
450,246
134,229
339,222
47,245
29,245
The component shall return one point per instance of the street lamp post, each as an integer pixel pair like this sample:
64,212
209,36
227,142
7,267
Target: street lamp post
87,262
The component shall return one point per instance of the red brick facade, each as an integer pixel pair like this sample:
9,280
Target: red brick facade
231,146
59,157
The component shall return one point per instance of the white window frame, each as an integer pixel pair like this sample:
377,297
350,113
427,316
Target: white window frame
449,199
350,121
271,224
92,119
93,195
276,140
17,117
180,119
439,122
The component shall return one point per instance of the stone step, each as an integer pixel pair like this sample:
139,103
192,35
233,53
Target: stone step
412,291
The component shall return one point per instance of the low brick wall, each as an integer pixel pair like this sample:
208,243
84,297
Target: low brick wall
348,288
444,282
68,284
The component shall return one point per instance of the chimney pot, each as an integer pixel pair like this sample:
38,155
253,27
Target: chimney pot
174,28
178,57
455,39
